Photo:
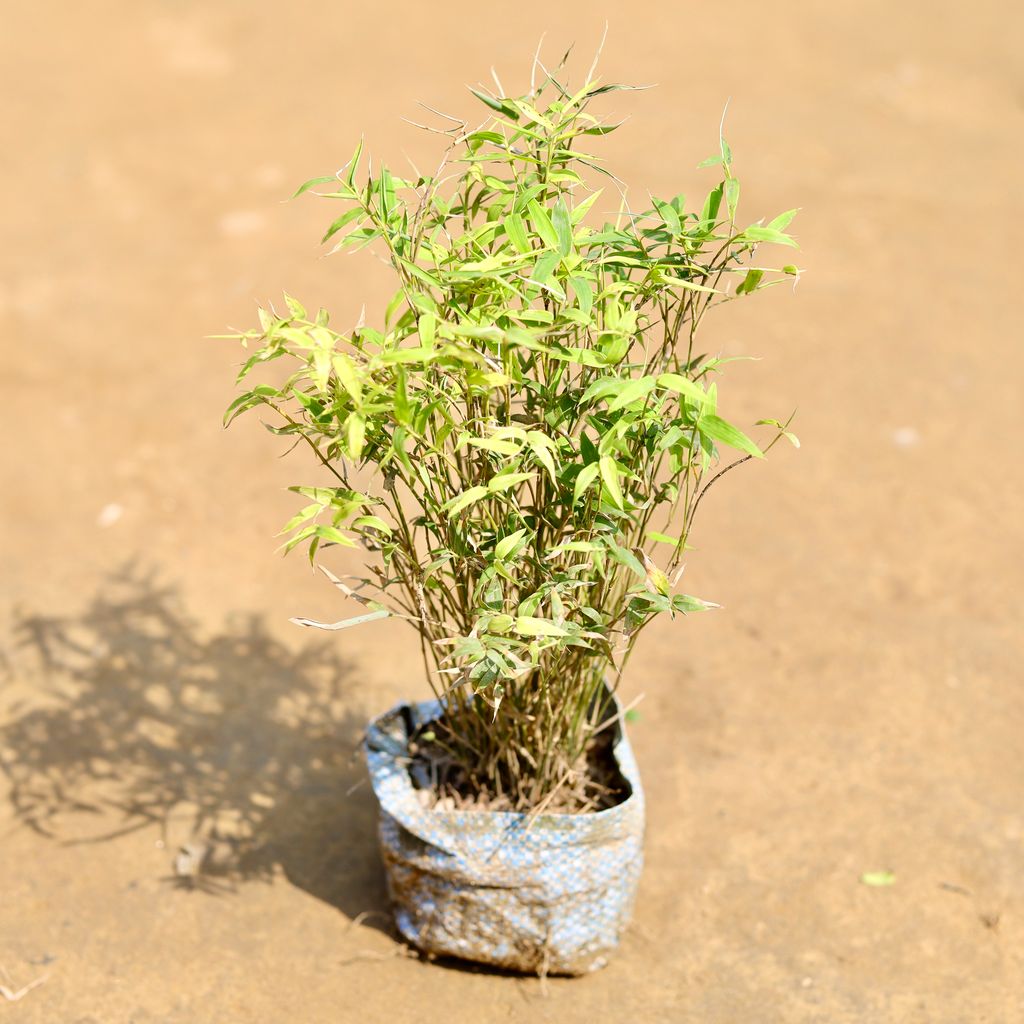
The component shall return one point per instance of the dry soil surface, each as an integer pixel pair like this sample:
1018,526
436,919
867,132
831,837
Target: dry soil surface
857,706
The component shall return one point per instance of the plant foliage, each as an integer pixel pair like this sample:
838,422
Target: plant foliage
522,440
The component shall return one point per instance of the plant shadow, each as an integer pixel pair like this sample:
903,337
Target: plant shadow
146,719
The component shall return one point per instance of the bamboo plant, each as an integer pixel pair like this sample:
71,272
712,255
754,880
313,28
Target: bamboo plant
521,442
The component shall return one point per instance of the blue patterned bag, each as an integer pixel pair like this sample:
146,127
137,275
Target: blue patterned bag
547,896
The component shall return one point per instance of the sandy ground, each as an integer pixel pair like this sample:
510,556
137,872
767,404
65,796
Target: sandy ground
857,706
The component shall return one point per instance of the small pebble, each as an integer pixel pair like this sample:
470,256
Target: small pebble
109,515
906,437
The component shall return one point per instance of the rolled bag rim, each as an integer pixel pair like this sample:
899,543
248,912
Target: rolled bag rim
448,859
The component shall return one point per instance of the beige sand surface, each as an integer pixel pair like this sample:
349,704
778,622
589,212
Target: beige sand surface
859,703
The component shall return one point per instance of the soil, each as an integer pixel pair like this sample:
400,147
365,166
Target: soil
185,835
596,782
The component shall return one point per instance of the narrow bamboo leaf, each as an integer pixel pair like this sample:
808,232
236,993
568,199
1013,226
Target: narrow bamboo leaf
757,233
610,477
584,294
563,228
750,281
669,216
386,190
353,164
466,498
732,196
334,535
542,224
312,183
507,545
579,211
682,386
427,328
709,215
688,285
542,447
545,267
504,481
355,433
626,557
345,368
345,218
515,228
530,625
662,538
371,522
717,429
587,475
357,620
782,222
685,603
494,444
501,106
633,392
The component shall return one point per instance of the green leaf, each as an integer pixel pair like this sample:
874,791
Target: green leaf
500,106
334,535
312,183
757,233
562,226
461,501
545,266
353,164
427,327
669,216
542,224
500,623
357,620
584,293
494,444
345,218
386,189
507,545
732,196
348,375
355,433
515,228
371,522
610,477
587,475
530,625
750,281
662,538
682,386
503,481
626,557
685,603
633,392
709,215
782,222
717,429
542,446
878,878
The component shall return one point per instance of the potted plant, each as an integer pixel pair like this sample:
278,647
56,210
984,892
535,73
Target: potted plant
520,444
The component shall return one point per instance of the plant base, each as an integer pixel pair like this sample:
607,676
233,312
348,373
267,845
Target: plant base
547,894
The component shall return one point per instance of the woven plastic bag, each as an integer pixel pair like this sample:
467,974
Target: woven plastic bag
551,895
